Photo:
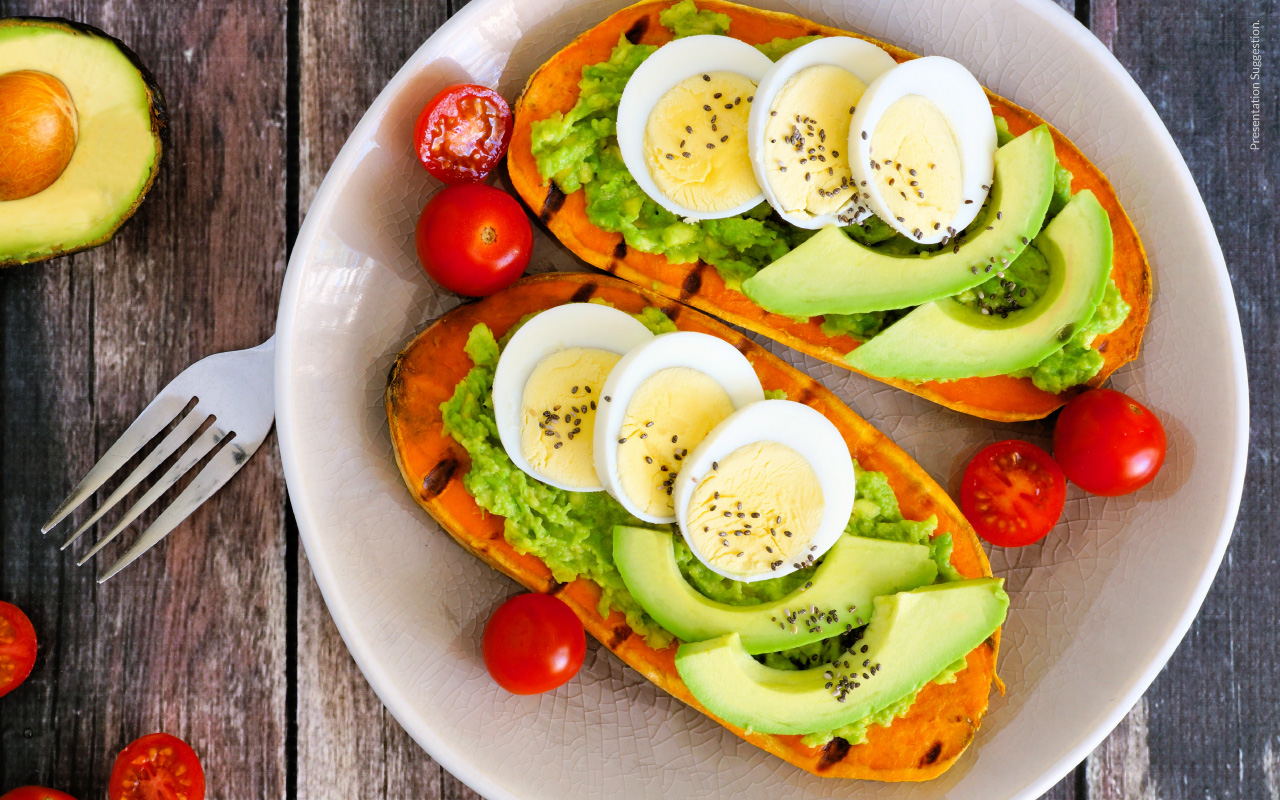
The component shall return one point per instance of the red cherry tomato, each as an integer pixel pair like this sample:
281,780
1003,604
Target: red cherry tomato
17,647
157,767
35,793
463,133
1108,443
533,643
1013,493
474,239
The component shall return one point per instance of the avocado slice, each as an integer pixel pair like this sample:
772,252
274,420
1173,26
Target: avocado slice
831,274
912,638
855,571
120,113
945,339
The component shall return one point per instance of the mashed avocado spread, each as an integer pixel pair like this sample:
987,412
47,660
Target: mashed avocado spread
579,150
572,531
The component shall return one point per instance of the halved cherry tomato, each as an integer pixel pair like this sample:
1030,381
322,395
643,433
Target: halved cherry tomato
157,767
463,133
474,239
1013,493
17,647
533,643
35,793
1108,443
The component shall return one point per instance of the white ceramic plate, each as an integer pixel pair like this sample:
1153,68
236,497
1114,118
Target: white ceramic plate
1097,609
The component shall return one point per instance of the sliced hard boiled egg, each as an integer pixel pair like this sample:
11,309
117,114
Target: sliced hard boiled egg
548,387
767,492
923,141
682,126
659,402
799,128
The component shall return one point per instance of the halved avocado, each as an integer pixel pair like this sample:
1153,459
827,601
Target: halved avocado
854,572
832,274
912,638
945,339
119,115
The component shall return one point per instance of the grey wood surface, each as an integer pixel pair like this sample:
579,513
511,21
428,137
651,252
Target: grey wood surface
221,635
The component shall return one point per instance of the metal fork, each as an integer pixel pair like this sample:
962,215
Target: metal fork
235,393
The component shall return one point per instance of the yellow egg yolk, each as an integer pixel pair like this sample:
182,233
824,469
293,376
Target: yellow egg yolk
916,164
695,142
669,414
806,138
758,509
558,415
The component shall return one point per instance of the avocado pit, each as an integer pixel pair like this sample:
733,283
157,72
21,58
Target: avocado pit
39,129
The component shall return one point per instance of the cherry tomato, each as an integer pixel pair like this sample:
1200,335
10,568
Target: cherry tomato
1013,493
157,767
35,793
17,647
1108,443
463,133
533,643
474,239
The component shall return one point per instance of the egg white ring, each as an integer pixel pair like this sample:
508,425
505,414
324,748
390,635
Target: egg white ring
862,58
712,356
797,426
668,66
553,330
962,101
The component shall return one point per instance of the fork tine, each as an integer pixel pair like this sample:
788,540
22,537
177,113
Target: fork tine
176,438
201,448
158,413
216,473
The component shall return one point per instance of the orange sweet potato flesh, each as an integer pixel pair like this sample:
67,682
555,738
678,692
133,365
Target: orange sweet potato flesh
919,746
554,87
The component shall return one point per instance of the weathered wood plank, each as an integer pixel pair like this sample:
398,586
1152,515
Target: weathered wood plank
189,639
348,745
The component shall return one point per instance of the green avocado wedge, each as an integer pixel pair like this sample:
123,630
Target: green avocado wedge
832,274
913,636
854,572
945,340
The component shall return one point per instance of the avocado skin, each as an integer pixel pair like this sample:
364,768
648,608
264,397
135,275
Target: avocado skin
159,127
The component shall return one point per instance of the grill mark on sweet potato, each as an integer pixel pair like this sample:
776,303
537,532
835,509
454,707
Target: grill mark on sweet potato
438,478
583,293
692,282
672,310
636,32
743,345
555,199
618,636
833,752
931,755
556,587
620,249
806,394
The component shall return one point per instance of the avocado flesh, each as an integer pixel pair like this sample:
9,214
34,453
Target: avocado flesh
832,274
120,112
912,638
945,339
855,571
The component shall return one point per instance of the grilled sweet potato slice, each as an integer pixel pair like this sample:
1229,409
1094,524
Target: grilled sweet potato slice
918,746
554,87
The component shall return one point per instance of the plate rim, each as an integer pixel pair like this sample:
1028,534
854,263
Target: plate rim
361,651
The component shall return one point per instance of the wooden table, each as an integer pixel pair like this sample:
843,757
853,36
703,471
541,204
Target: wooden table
221,635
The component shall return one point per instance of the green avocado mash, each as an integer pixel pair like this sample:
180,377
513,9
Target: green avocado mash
571,531
579,150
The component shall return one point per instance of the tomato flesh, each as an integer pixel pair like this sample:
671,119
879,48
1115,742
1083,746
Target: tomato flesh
462,134
1013,493
533,643
158,766
17,647
1108,443
35,793
474,239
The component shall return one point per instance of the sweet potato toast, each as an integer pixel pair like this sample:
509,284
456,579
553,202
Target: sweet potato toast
918,746
554,87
